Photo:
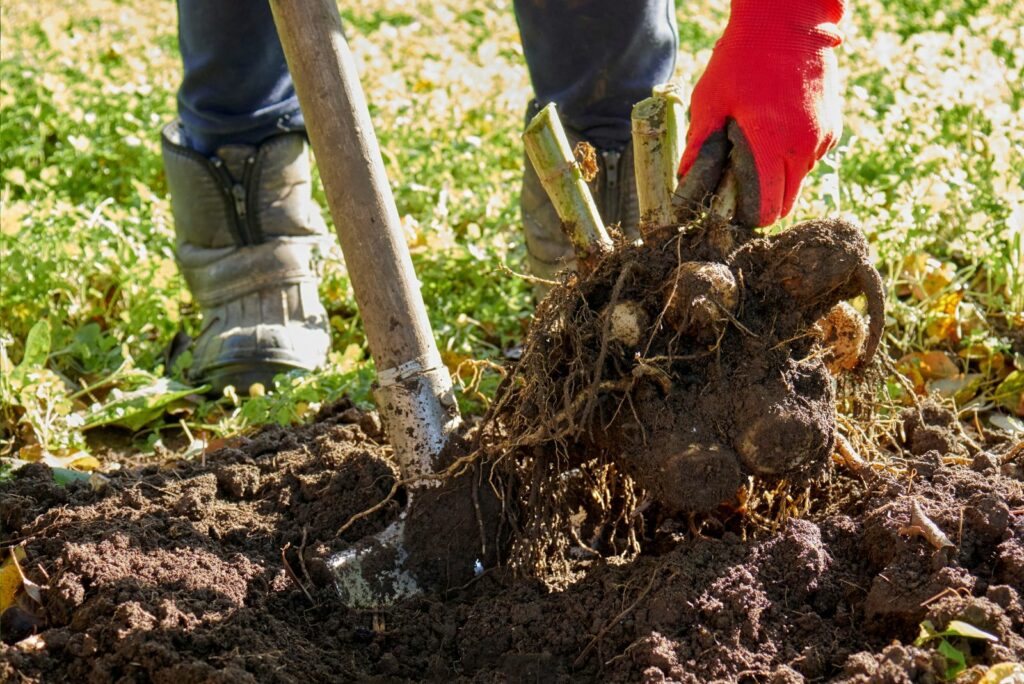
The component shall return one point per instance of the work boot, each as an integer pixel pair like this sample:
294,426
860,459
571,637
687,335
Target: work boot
247,233
548,250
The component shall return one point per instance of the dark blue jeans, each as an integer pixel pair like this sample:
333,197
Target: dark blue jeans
593,58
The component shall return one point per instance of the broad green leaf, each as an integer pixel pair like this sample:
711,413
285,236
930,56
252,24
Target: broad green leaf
37,348
65,476
1010,393
965,629
134,410
956,662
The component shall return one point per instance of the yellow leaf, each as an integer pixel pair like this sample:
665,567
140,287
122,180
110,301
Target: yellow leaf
923,367
926,276
10,579
1003,673
77,460
86,463
946,324
31,453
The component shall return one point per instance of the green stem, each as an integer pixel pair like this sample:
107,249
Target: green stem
552,158
657,124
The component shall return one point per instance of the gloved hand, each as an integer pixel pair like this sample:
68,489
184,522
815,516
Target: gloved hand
769,98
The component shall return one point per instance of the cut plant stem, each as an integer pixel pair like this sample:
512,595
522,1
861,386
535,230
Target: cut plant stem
657,148
562,178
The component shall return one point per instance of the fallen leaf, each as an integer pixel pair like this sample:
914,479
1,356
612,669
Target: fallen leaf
10,579
1003,673
945,325
33,590
1010,393
925,276
1007,423
78,460
961,388
923,367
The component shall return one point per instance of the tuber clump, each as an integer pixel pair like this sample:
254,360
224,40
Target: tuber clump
691,370
673,369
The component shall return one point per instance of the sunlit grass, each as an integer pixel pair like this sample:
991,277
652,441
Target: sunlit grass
931,163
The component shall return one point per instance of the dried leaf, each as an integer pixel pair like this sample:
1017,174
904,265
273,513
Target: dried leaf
1010,393
10,579
961,388
586,157
1003,673
1007,423
945,325
922,367
33,590
926,276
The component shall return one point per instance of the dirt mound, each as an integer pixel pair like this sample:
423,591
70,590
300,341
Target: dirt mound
217,572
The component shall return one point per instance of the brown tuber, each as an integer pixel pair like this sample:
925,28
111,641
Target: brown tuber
627,323
696,477
700,296
842,333
816,264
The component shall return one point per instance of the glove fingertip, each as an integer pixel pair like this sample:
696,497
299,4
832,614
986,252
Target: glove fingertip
701,166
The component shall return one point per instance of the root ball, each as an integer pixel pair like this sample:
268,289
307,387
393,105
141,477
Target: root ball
698,296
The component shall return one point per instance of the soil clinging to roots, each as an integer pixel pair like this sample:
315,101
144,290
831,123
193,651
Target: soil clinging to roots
675,372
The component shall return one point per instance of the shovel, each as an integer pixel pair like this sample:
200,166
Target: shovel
414,390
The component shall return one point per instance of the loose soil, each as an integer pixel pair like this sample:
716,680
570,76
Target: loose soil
214,571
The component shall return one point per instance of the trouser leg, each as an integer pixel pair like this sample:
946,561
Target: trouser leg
236,86
596,58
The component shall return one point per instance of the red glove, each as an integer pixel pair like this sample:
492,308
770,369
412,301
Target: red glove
769,97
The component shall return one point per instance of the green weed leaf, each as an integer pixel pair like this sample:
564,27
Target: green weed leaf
65,476
927,633
37,348
956,662
967,630
134,410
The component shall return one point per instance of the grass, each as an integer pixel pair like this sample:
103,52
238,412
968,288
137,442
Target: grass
931,163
